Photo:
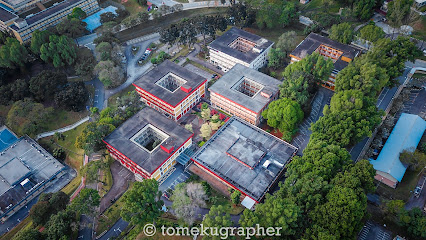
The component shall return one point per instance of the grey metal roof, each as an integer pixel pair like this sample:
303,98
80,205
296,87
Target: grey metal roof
24,159
224,85
313,41
222,44
6,16
120,138
253,182
147,82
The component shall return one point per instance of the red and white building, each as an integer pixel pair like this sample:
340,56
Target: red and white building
171,89
148,144
244,92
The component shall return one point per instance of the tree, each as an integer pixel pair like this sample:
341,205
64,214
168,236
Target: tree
351,100
189,127
91,138
109,74
371,33
206,131
284,114
28,117
320,158
71,27
300,87
274,13
241,14
60,51
46,84
217,218
344,128
59,201
104,47
342,32
235,197
414,221
276,58
392,209
85,62
107,17
274,212
19,89
86,201
397,11
28,234
359,176
38,39
205,114
314,65
286,42
341,215
106,37
187,197
73,97
414,159
90,171
77,13
13,54
363,9
142,202
40,212
61,225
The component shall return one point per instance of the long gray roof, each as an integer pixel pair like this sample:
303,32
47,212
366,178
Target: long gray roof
147,82
313,41
6,16
222,44
224,87
240,139
120,138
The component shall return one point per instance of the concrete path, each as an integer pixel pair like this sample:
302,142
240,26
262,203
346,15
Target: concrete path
64,129
193,57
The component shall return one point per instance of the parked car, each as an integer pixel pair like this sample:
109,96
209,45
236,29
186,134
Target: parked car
166,195
417,191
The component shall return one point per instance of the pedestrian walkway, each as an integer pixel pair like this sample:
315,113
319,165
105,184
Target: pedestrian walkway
61,130
143,38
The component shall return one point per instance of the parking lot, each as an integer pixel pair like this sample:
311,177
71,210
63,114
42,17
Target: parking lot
198,71
177,176
320,100
373,231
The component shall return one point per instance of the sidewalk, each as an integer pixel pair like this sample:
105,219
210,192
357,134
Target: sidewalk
64,129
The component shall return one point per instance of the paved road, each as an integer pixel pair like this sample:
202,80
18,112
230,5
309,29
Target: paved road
64,129
85,230
115,230
133,69
418,201
99,97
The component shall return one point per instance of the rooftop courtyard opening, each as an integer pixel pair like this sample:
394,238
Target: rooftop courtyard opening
242,44
248,87
150,138
171,82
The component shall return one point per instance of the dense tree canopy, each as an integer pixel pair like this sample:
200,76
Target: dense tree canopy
46,84
13,54
284,114
342,32
363,9
142,202
273,14
85,62
77,13
241,14
86,201
187,198
60,51
217,218
110,74
72,28
91,138
28,234
38,39
60,225
73,97
276,58
397,11
371,33
414,221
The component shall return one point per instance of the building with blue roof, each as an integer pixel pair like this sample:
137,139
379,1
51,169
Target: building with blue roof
406,135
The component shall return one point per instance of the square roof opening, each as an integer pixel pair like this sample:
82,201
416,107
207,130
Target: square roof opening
149,138
171,82
242,44
247,87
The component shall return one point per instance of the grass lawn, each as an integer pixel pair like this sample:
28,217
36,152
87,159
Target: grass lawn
224,201
404,188
311,5
4,110
132,6
110,216
183,51
107,180
113,99
200,66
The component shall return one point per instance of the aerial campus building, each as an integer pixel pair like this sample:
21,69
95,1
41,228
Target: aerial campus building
244,92
22,25
406,135
341,54
148,144
171,89
26,170
243,157
238,46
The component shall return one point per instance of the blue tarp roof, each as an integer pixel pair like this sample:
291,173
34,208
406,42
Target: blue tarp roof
406,135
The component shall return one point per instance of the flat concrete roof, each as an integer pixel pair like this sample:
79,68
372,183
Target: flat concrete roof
25,159
148,82
313,41
14,3
224,86
121,138
222,44
253,182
